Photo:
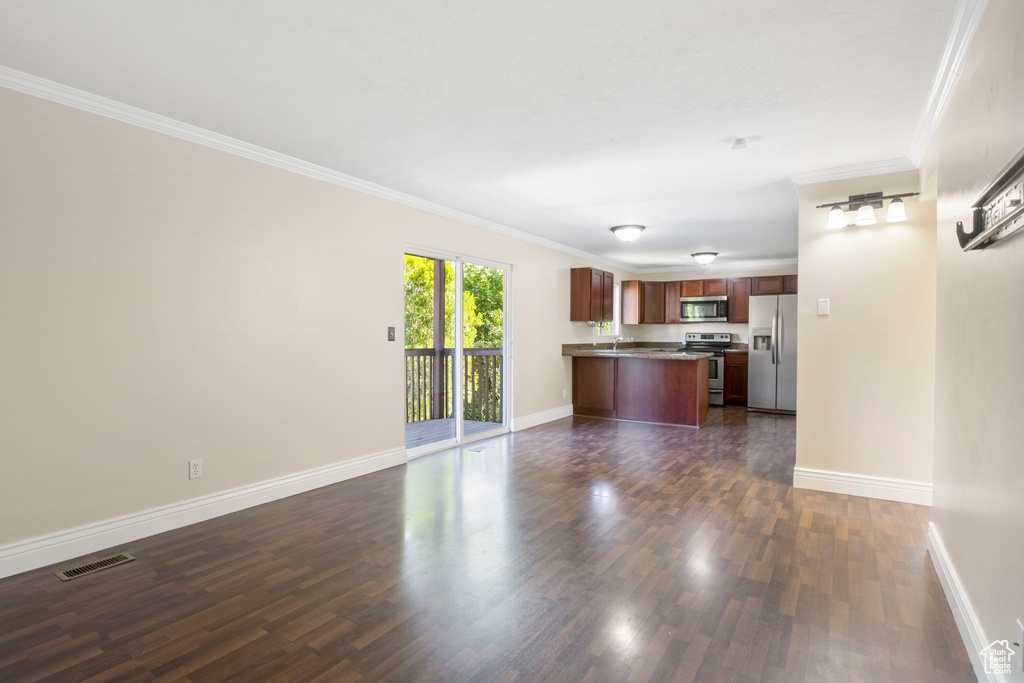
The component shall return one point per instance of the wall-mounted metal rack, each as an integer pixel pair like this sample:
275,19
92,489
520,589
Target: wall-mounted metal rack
999,209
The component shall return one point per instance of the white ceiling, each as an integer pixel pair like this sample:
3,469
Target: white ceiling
560,118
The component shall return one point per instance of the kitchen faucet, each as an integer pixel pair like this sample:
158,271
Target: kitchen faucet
615,344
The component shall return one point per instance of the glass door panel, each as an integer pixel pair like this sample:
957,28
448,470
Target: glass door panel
484,362
429,372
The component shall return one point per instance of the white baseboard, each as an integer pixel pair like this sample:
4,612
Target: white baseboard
65,545
527,421
899,490
963,613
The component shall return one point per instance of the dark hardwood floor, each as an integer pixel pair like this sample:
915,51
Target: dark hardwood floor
581,550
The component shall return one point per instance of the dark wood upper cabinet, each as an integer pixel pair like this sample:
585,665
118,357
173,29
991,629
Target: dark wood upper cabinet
645,303
739,299
591,295
693,288
760,286
653,309
672,294
632,293
715,288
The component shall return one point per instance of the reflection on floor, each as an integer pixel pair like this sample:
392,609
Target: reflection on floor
432,431
580,550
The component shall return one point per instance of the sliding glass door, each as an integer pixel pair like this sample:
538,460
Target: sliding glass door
456,350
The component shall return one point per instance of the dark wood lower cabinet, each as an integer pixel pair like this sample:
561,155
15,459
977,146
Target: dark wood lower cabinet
641,389
735,393
593,386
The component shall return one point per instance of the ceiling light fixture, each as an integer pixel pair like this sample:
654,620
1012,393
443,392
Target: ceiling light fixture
704,257
836,218
865,205
897,211
627,233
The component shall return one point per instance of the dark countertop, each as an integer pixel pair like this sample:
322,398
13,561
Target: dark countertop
666,350
662,353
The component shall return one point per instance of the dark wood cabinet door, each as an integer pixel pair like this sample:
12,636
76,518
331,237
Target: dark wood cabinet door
608,297
653,311
715,288
672,295
693,288
631,292
593,386
766,285
739,299
789,284
735,393
596,295
579,294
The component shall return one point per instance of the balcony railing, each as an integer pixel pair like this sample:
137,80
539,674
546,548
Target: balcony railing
428,382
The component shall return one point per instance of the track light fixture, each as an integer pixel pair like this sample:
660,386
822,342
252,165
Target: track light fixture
865,205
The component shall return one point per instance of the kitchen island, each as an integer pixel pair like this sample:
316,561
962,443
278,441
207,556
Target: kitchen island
662,385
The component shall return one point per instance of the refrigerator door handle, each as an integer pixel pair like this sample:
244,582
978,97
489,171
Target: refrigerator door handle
782,335
775,334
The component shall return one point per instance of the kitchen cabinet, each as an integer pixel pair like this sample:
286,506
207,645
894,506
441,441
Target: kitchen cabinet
761,286
735,391
692,288
647,303
653,310
739,299
593,386
672,294
643,303
591,295
715,287
641,389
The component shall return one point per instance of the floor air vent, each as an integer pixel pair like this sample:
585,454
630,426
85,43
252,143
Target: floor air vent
96,566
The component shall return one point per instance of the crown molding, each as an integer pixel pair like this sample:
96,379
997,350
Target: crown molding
28,84
965,24
853,171
716,265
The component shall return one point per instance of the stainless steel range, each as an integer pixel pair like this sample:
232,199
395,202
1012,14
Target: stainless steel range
716,343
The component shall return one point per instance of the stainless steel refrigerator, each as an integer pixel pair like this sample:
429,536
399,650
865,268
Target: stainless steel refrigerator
772,361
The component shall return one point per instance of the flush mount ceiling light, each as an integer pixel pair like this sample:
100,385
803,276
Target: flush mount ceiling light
704,257
836,218
627,233
865,205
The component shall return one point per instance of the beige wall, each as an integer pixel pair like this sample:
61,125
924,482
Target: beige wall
865,391
676,333
979,480
162,301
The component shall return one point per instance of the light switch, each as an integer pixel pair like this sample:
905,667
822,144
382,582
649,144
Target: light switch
822,306
391,334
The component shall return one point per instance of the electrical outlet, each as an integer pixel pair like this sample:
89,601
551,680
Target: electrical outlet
195,468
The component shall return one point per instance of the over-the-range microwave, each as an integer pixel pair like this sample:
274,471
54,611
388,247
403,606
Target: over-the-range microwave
704,309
